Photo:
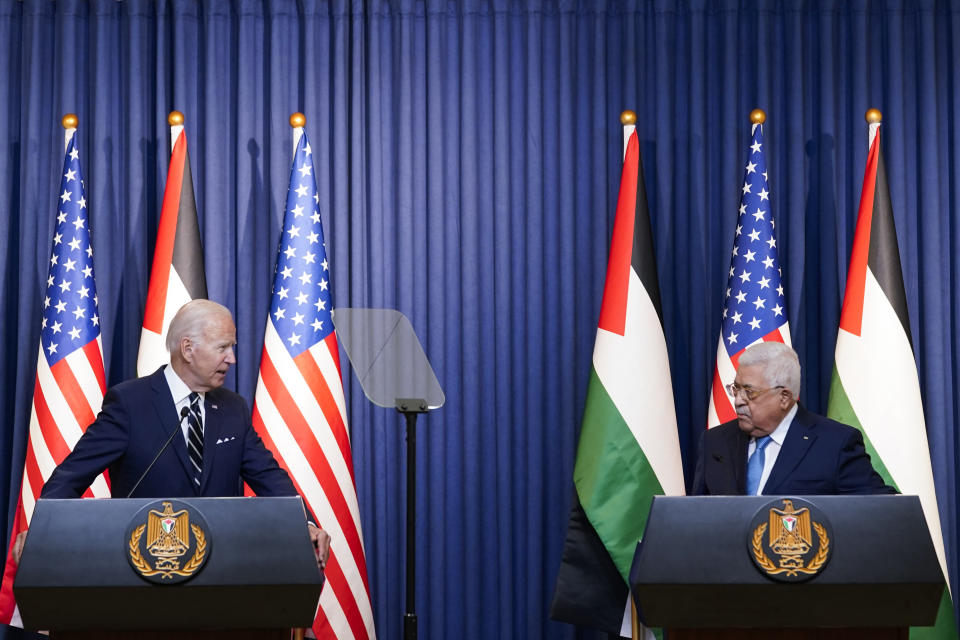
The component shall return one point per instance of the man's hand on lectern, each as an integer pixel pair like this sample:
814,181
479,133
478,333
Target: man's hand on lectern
18,546
321,544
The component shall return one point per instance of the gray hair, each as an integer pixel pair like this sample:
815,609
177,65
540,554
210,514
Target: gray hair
190,319
780,362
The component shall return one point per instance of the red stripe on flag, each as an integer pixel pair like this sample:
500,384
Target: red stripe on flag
261,430
334,349
166,233
72,393
95,358
31,473
336,579
48,426
268,442
7,603
613,309
331,412
851,315
300,430
773,336
335,576
735,358
321,625
721,401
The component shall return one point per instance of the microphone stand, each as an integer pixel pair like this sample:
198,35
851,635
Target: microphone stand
183,414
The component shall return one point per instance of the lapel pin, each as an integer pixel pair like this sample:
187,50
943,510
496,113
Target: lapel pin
213,406
804,437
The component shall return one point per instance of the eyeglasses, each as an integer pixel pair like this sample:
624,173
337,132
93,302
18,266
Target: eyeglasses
751,393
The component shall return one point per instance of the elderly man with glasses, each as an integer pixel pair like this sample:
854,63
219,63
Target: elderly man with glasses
775,446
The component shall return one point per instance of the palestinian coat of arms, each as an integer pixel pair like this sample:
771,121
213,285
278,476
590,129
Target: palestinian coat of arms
799,544
168,547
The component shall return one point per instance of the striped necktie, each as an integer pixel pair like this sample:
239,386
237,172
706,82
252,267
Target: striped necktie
195,436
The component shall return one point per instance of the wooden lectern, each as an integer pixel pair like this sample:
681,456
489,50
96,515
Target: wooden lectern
259,576
694,572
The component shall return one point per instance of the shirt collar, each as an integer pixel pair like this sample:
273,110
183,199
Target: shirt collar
780,433
178,388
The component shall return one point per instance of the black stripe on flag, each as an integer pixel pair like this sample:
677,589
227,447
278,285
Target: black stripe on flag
884,258
643,260
590,592
187,249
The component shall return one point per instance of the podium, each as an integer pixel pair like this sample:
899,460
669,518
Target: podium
256,574
697,572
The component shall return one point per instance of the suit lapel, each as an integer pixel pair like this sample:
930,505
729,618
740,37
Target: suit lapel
726,461
738,451
798,441
212,424
167,414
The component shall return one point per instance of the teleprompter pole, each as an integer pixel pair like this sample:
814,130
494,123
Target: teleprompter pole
411,408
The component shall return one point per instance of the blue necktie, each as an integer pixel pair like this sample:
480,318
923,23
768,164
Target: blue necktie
755,466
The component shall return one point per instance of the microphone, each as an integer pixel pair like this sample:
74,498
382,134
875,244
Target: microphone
183,414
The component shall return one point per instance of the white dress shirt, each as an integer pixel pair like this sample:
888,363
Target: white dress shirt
181,398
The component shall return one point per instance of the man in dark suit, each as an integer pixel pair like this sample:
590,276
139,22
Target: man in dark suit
777,447
215,449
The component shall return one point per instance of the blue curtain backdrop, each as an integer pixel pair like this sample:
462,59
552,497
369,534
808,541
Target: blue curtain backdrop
468,159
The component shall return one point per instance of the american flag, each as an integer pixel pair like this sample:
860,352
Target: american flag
754,308
70,382
299,409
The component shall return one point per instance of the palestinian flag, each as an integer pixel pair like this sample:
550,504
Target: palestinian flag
875,357
628,450
177,276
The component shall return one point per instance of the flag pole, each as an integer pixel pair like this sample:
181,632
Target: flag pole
757,117
873,117
297,120
628,119
175,120
69,122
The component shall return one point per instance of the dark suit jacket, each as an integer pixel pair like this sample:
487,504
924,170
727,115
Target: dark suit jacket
137,418
819,457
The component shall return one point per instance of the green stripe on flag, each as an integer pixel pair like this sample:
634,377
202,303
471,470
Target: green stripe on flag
615,482
840,409
945,628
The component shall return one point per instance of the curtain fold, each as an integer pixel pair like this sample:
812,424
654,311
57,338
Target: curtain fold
468,157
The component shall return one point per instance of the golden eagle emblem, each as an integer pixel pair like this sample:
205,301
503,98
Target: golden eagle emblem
790,536
167,542
790,530
168,535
